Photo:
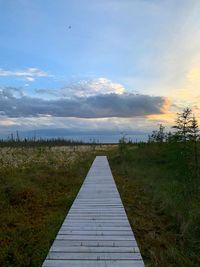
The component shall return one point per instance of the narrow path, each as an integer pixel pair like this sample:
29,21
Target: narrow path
96,231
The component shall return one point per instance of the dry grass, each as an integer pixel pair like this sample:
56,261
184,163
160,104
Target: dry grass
37,187
60,156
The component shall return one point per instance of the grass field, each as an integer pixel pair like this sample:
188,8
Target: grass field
160,192
37,187
162,199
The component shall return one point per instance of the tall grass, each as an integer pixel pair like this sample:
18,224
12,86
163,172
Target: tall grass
39,142
161,194
158,186
37,187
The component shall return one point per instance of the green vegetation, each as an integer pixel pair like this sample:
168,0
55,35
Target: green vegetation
162,200
159,183
37,187
19,142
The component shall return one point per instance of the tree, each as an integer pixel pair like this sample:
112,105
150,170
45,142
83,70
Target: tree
194,130
183,124
188,131
194,137
122,143
158,136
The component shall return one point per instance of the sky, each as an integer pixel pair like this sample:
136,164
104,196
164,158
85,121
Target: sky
104,65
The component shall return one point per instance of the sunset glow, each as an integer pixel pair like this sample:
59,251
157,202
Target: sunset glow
98,65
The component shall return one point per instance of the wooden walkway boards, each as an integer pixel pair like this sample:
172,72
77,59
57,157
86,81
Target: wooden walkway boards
96,231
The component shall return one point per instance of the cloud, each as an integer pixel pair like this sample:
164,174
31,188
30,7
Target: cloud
29,74
93,87
88,87
77,124
125,105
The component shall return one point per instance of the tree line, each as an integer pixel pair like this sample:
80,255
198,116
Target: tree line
26,142
185,129
185,134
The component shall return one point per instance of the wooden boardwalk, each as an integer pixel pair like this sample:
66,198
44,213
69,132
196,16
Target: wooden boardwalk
96,231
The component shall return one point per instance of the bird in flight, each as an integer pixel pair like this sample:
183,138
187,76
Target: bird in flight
69,27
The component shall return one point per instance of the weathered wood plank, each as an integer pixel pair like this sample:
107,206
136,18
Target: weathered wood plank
96,231
93,237
90,232
96,224
94,249
94,243
94,256
97,228
93,263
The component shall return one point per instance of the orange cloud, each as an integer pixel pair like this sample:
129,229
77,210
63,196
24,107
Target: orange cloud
166,116
166,105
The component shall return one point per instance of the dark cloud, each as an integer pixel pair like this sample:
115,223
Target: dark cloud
99,106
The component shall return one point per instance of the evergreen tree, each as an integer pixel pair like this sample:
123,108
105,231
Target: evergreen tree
194,137
183,124
158,136
194,130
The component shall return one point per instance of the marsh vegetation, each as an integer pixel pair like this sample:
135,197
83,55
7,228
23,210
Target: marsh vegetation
37,187
159,183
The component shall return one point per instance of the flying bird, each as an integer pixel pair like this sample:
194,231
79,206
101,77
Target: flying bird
69,27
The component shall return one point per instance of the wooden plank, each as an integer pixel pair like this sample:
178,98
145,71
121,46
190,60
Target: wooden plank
90,232
96,224
93,263
96,231
93,237
97,211
96,219
96,228
93,256
94,249
96,215
94,243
